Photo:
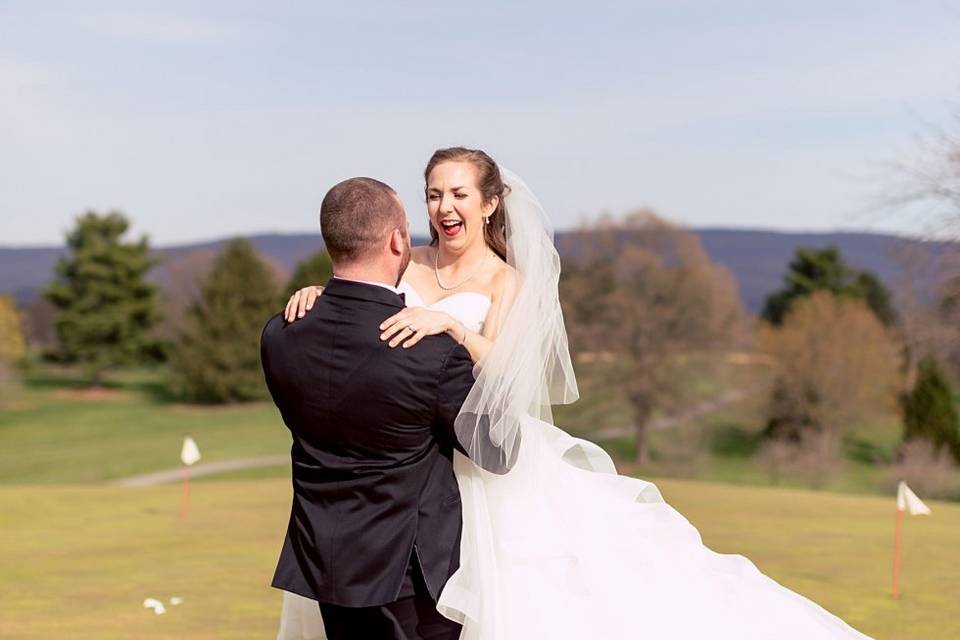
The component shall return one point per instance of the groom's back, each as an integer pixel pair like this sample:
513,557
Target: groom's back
342,391
372,447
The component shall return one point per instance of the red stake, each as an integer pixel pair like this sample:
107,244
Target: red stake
896,555
185,497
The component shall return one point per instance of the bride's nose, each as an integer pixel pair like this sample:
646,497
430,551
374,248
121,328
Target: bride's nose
446,204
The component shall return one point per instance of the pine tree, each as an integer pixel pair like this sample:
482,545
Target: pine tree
825,270
217,358
929,412
316,269
105,307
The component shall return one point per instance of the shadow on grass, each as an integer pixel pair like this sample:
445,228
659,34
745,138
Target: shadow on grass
734,440
863,450
48,379
150,383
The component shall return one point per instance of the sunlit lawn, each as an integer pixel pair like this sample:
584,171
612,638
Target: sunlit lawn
53,431
77,562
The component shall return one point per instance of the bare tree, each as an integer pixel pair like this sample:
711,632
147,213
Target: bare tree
39,319
929,183
645,292
182,288
931,473
926,187
12,346
929,319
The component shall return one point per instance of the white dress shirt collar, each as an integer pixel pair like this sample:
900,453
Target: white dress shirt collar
378,284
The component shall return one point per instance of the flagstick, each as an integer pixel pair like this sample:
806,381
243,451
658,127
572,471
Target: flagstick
185,496
896,554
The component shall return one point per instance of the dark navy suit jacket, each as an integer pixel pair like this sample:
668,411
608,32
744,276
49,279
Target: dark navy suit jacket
373,441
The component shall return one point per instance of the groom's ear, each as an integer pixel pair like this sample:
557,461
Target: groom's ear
397,242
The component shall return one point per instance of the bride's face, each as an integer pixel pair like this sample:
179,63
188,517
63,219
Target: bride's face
455,204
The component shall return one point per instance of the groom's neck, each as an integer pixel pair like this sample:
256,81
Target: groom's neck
364,273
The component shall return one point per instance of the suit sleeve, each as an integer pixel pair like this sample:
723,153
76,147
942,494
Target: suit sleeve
266,349
456,380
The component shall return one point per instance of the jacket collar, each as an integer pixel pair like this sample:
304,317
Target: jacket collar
363,291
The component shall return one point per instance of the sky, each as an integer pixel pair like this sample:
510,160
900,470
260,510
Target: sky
206,120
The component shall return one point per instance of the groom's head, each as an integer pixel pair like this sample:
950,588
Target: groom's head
365,229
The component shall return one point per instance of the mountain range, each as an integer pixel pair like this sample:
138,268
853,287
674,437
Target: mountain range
756,258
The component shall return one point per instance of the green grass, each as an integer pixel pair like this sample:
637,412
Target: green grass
77,562
53,431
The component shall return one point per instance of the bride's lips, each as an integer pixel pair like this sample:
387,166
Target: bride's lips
451,228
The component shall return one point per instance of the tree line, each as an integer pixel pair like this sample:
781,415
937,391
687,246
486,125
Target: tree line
107,314
642,295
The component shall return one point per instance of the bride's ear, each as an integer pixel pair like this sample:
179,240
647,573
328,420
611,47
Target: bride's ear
490,206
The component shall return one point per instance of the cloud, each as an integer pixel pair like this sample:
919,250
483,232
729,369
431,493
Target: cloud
156,28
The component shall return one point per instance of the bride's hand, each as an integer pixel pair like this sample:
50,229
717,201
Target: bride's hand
300,302
412,324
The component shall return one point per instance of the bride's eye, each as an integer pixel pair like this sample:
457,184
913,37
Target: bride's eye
459,196
433,196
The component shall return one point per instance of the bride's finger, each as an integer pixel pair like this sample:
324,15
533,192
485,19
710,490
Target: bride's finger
312,294
404,333
302,305
414,339
288,313
399,317
393,330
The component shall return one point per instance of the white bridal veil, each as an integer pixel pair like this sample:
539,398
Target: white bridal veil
528,368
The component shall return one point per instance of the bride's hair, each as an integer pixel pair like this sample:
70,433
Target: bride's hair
491,185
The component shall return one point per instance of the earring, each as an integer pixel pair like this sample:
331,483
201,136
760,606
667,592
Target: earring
486,220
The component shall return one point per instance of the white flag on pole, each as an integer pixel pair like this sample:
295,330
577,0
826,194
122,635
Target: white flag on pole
190,452
907,500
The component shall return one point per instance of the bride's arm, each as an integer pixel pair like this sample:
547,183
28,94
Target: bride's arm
409,326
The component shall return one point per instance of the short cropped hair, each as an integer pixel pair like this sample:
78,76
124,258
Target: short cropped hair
355,217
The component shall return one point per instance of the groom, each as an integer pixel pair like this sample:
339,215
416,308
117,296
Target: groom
374,531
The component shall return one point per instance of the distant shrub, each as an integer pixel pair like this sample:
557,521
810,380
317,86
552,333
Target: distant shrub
684,454
928,410
930,473
814,459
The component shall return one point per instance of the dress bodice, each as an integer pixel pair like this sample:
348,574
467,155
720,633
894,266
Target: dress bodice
469,307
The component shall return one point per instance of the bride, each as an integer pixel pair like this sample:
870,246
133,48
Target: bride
561,547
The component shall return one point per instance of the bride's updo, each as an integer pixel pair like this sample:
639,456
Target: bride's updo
491,185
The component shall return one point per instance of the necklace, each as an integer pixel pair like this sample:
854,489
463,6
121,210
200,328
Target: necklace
436,272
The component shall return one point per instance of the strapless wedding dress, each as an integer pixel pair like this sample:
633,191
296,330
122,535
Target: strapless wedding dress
564,548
